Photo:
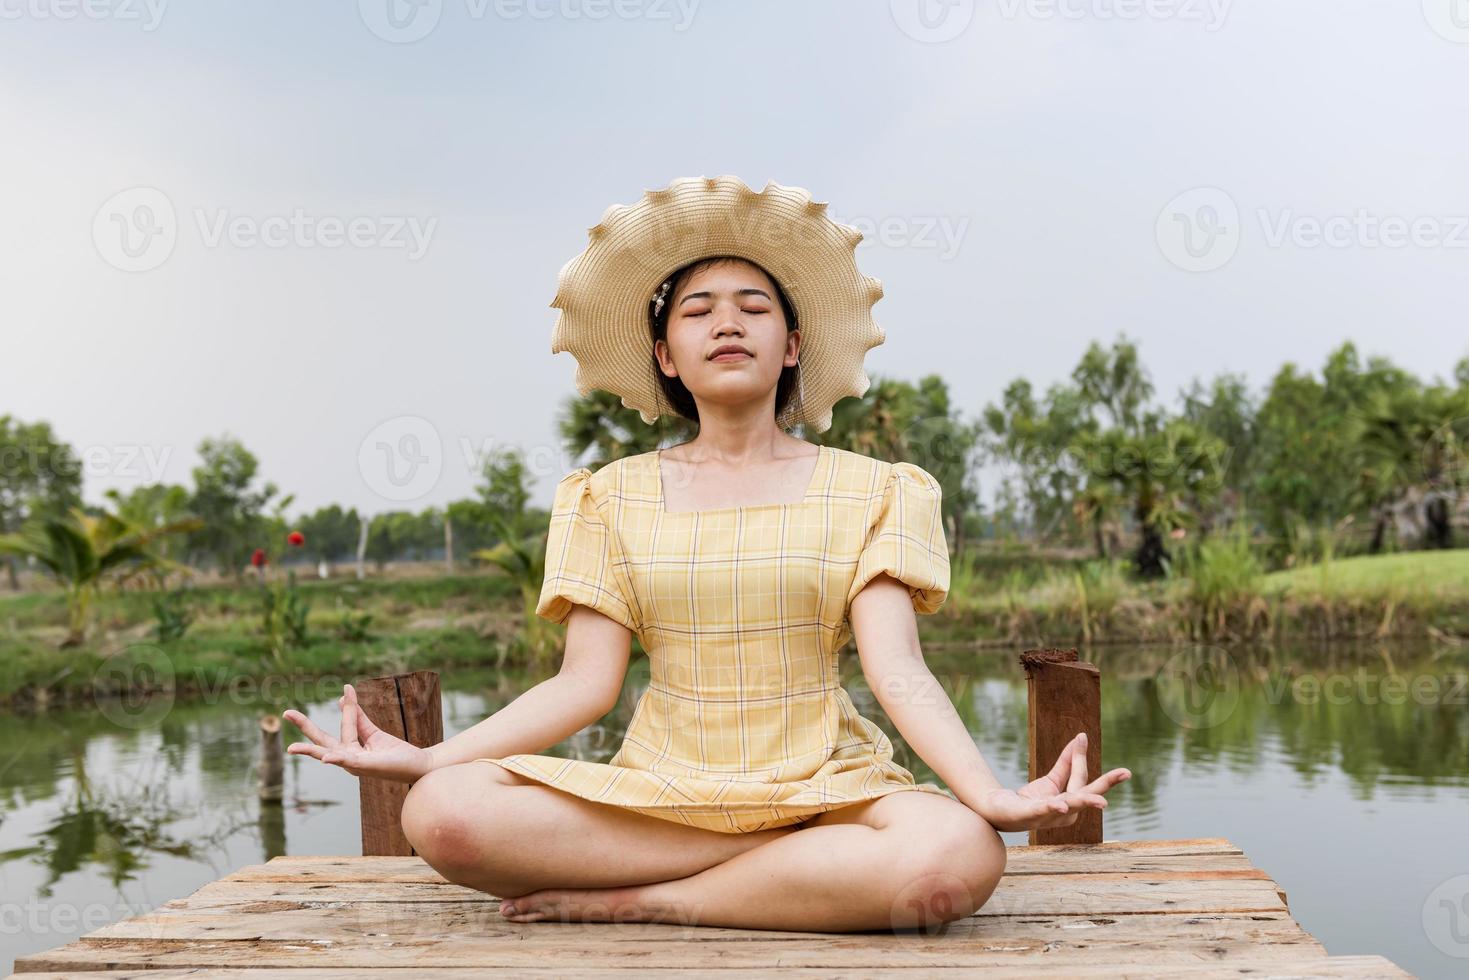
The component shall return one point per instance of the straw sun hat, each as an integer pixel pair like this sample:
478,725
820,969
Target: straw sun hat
604,294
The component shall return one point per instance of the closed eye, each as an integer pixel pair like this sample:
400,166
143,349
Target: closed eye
706,312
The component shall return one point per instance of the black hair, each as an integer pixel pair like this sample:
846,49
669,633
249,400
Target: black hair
673,391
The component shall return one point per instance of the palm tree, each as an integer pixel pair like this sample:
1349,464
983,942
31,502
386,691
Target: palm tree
523,560
601,424
1160,469
83,551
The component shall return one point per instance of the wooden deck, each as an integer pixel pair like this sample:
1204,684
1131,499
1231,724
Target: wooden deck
1194,908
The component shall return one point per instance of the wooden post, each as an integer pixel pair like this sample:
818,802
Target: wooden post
272,762
410,707
1065,698
448,544
362,549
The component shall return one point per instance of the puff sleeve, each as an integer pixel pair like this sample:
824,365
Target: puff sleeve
581,567
906,540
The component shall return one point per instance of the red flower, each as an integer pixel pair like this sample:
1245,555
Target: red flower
296,538
258,559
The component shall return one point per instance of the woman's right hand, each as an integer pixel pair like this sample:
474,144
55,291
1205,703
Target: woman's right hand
363,749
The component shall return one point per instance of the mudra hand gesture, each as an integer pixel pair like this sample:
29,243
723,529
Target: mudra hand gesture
1054,800
363,749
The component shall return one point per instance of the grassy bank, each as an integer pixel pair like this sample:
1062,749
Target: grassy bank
391,625
355,628
1221,597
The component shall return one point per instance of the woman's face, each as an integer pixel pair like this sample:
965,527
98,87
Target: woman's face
728,304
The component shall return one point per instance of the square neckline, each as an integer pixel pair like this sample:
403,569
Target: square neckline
662,501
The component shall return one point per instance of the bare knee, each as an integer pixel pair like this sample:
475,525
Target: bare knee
446,815
955,866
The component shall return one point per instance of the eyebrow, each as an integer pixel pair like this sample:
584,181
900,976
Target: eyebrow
747,291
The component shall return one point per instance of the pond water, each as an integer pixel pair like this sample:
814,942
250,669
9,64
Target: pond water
1344,773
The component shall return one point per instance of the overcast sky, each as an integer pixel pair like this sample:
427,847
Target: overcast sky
326,227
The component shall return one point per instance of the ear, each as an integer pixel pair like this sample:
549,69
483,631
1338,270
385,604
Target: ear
793,348
665,361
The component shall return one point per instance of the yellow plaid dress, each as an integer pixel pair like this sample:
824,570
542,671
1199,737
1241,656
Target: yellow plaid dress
743,611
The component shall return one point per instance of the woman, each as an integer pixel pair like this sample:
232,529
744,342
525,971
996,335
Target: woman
748,791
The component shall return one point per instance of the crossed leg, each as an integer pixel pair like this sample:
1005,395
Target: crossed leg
905,860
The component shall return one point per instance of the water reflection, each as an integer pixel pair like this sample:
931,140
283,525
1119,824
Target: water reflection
1283,752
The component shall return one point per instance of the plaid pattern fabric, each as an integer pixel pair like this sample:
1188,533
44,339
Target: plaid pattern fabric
743,612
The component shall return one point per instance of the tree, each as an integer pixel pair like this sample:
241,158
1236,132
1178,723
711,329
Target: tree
83,552
601,427
232,512
38,476
331,533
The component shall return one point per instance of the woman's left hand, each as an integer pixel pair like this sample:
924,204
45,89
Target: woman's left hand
1054,800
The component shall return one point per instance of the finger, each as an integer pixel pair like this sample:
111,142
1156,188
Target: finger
309,728
1080,801
349,718
1103,783
1061,771
1078,764
365,728
306,748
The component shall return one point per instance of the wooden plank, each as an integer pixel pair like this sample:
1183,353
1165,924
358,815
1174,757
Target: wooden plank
1192,855
1068,942
1072,894
1323,967
1065,697
410,707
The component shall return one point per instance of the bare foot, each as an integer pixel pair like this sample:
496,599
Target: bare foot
578,905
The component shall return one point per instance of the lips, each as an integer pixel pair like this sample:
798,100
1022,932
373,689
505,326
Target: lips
729,352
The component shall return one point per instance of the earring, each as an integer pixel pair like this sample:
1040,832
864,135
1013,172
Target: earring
801,388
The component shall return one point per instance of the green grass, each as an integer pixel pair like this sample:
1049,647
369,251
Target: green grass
1426,573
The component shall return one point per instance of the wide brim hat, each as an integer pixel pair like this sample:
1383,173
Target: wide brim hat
604,293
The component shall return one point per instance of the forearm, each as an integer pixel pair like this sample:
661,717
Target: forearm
553,710
923,714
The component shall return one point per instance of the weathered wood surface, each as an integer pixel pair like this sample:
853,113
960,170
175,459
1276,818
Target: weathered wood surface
1193,908
1064,694
410,707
